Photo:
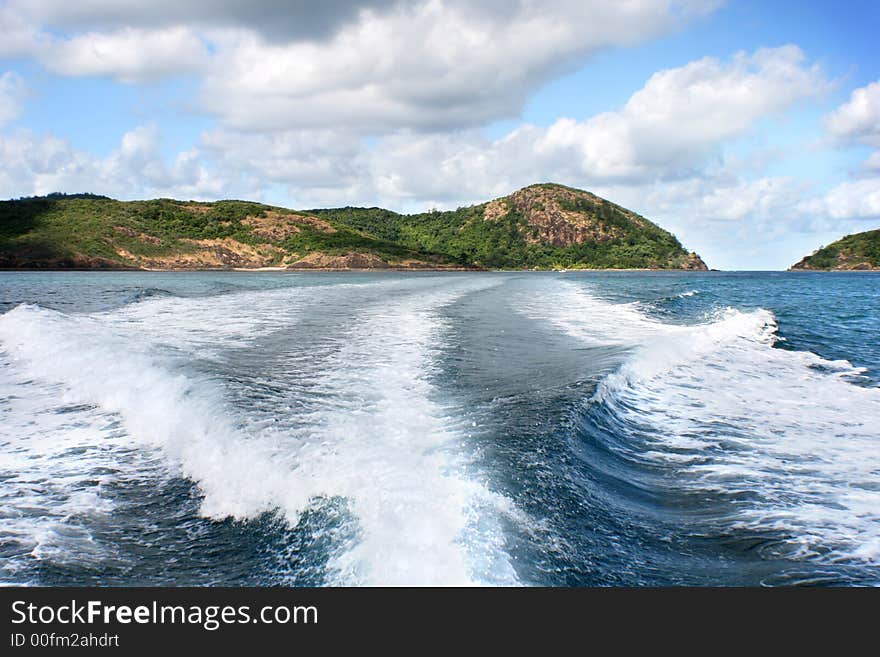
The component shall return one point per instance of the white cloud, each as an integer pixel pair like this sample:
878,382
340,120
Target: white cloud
858,122
853,199
129,55
378,66
41,164
27,159
729,198
681,115
855,122
859,118
12,93
428,65
672,129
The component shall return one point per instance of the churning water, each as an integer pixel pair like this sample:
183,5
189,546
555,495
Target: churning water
459,428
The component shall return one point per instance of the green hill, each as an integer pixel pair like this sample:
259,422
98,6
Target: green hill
90,232
850,253
543,226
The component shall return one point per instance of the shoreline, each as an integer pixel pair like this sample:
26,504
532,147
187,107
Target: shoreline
243,269
833,271
297,270
344,269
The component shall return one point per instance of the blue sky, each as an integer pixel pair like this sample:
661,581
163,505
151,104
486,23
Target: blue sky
750,129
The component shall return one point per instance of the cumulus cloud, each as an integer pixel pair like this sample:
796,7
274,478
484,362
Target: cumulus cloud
853,199
681,115
858,122
129,55
429,65
729,198
380,65
29,159
855,122
674,128
712,211
859,118
40,164
671,131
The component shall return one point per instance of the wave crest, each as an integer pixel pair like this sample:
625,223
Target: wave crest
787,434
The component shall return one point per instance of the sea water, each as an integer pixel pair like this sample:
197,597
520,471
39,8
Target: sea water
578,428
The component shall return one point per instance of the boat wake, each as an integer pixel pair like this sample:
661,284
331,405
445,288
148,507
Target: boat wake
114,396
786,439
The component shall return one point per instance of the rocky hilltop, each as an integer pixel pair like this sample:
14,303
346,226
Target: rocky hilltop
564,217
541,226
858,252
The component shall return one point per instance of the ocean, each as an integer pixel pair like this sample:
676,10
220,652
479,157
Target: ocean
520,428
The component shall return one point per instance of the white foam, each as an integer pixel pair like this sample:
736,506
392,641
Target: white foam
205,324
589,318
56,461
390,448
157,407
737,414
377,437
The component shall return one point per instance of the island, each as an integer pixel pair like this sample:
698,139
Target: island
858,252
542,226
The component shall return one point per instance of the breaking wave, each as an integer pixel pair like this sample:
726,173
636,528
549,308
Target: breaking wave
111,396
786,438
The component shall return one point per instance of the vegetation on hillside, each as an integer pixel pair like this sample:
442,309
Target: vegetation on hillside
513,240
78,231
852,252
541,226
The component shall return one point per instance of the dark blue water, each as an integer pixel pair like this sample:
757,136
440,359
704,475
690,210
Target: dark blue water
568,429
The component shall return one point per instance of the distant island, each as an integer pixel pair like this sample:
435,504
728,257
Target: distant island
543,226
858,252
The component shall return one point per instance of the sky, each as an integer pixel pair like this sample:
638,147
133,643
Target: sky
750,129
